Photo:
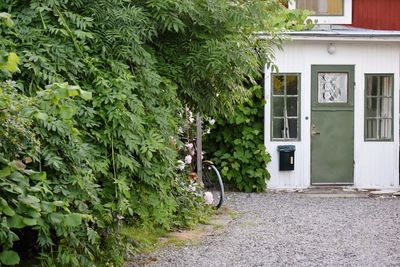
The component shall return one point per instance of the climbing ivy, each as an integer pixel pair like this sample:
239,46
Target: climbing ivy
236,144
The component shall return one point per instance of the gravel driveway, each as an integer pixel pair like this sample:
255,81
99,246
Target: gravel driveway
297,229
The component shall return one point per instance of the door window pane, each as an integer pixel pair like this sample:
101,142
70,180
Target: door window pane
332,87
322,7
379,107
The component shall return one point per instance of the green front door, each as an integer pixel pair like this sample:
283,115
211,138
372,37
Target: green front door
332,124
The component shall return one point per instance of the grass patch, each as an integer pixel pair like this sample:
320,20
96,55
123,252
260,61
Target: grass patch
143,240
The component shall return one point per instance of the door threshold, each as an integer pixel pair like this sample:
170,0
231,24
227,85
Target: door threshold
331,184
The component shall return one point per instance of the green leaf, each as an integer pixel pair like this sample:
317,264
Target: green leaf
67,112
18,177
29,221
9,257
41,116
56,218
5,208
6,171
30,201
16,221
62,92
86,95
73,219
8,211
73,92
12,62
40,176
48,206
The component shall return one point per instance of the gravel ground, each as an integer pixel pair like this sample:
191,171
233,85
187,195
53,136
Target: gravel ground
295,229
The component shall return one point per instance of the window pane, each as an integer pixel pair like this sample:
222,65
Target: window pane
292,123
332,87
291,105
285,106
386,107
386,86
372,107
291,85
278,105
278,84
278,128
372,129
379,105
322,7
386,129
372,86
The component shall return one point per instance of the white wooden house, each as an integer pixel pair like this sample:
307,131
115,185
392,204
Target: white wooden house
336,97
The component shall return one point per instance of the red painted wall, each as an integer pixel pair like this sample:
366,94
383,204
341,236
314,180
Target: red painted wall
376,14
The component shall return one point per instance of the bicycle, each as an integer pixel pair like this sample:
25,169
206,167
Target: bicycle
213,186
212,182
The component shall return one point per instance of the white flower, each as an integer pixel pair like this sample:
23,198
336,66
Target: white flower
192,188
208,131
188,159
181,165
189,146
190,117
208,198
212,121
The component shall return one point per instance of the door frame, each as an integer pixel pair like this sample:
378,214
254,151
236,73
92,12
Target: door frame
315,68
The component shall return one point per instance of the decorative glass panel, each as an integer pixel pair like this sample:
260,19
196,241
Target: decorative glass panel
332,87
322,7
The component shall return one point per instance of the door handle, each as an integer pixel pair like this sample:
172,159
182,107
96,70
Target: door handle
314,131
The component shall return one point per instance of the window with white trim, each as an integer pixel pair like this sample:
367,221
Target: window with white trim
379,107
326,11
285,106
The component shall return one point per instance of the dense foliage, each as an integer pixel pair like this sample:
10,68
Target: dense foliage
89,104
236,144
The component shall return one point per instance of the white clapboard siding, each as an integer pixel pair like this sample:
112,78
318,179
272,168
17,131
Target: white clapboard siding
376,163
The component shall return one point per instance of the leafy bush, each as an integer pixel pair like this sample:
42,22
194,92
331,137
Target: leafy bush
237,145
74,170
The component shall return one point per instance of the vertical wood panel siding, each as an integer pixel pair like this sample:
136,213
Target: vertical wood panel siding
377,15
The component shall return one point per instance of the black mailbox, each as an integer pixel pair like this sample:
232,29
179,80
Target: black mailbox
286,157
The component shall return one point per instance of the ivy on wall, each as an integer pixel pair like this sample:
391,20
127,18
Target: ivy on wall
236,144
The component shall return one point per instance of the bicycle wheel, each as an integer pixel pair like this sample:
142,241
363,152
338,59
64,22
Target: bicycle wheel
213,183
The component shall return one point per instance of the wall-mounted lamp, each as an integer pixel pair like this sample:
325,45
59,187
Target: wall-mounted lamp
331,49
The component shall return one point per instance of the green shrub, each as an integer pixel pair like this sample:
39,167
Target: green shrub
236,144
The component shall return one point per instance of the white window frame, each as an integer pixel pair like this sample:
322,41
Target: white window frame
345,19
